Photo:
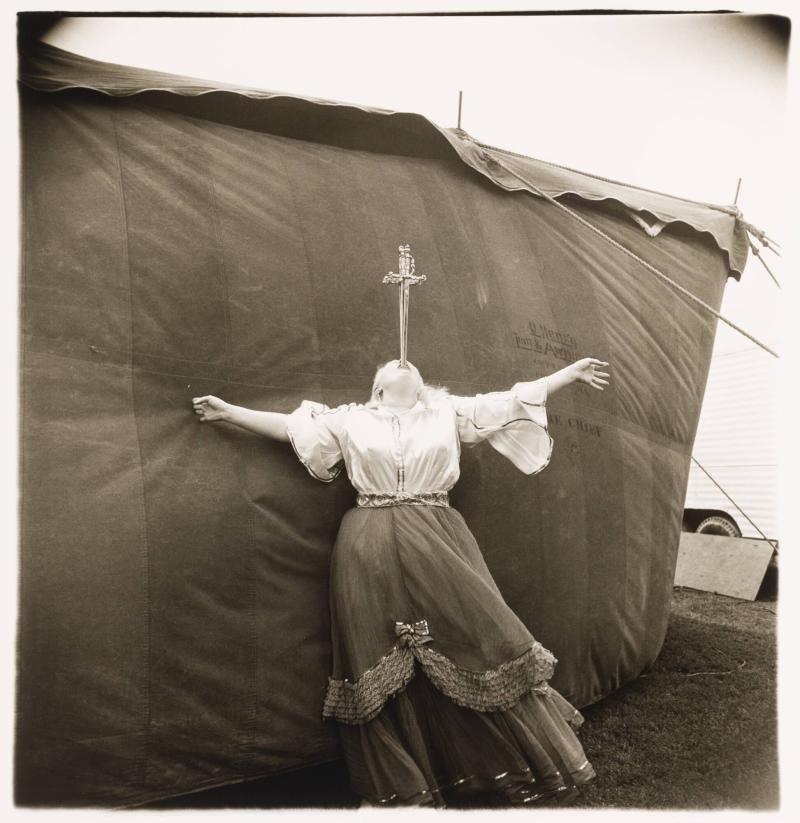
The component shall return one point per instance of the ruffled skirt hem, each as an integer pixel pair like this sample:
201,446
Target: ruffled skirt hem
493,689
424,749
518,788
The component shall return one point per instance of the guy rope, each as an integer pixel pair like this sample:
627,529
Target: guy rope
651,268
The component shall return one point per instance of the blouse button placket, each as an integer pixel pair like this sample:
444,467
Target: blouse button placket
397,453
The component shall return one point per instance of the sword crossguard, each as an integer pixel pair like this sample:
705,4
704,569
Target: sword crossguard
411,279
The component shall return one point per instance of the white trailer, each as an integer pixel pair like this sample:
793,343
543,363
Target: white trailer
736,443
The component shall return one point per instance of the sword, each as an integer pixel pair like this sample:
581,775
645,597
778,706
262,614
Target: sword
404,280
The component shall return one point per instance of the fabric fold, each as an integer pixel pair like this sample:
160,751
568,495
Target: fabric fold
514,422
313,430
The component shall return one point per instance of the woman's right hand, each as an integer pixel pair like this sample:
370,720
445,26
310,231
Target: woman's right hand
210,408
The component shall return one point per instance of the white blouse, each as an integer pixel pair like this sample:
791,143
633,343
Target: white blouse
417,451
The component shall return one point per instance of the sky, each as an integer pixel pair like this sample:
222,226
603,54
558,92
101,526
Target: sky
683,104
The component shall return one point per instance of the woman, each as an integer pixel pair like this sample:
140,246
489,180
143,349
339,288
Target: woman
438,688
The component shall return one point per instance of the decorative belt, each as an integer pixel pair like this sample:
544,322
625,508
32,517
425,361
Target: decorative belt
373,501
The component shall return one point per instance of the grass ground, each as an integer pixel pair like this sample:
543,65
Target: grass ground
699,730
696,731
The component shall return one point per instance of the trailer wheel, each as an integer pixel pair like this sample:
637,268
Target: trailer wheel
719,524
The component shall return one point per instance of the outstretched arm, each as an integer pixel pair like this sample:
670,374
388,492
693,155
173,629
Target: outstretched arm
268,424
586,371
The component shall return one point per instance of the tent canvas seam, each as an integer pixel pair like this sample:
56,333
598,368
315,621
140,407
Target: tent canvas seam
144,765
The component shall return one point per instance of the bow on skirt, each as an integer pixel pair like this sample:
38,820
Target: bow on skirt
412,634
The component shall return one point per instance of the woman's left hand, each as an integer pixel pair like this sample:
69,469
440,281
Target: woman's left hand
588,371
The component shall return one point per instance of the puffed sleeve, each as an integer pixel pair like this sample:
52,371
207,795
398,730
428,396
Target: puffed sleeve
514,422
315,432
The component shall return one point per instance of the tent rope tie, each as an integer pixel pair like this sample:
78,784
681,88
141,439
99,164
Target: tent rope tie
635,256
763,239
772,543
755,231
756,251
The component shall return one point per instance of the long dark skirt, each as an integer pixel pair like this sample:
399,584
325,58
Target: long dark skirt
438,688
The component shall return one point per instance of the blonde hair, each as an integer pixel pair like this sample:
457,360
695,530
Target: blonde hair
428,394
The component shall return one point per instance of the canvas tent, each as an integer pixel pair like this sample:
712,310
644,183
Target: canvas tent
182,237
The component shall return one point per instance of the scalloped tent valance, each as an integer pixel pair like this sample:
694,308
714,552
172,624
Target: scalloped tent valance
48,68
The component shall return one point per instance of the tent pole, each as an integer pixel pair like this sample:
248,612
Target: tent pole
460,95
736,196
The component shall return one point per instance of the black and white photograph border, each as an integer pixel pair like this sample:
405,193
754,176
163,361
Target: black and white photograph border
723,134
